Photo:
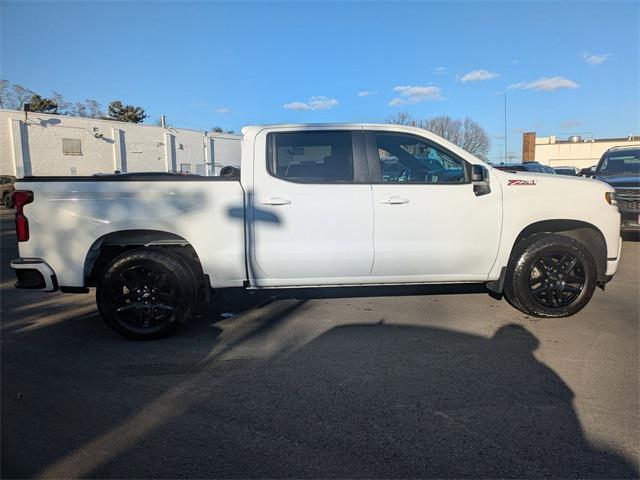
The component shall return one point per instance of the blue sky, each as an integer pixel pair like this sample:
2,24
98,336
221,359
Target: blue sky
568,67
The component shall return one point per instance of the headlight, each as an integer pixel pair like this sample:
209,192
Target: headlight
610,198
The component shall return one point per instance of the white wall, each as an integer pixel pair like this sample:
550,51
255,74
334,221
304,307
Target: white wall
34,146
582,155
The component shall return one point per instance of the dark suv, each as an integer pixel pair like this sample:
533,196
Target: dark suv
620,168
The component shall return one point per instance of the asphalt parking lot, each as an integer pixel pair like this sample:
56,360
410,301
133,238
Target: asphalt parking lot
422,382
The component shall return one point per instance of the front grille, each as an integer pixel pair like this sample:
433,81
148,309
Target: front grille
628,199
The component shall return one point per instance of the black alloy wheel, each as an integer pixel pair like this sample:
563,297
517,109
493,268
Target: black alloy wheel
550,275
146,293
557,279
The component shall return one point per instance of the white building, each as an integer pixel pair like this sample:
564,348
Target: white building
43,144
576,151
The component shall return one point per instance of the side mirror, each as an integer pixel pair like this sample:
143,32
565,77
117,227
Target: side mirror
478,173
480,180
587,172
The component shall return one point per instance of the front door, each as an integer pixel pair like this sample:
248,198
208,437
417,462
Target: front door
311,219
429,224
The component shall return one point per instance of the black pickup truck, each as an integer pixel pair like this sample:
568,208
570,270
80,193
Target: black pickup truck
620,168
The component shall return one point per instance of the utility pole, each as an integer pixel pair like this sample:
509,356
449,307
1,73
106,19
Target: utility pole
505,126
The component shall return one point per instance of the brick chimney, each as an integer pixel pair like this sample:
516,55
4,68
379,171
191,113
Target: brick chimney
529,147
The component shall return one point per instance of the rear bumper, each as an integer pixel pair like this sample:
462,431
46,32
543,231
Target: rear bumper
34,274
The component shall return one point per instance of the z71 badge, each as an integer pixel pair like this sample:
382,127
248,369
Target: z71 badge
521,182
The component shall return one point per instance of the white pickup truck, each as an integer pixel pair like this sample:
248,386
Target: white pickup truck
312,206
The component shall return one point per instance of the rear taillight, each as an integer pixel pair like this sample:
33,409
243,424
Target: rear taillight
20,199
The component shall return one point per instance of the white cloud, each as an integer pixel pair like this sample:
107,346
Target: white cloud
545,84
296,106
314,103
440,71
367,93
595,59
413,94
223,110
478,76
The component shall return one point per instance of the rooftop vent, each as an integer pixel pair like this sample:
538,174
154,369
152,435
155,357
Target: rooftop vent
575,139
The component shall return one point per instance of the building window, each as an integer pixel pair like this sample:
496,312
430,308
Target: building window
71,146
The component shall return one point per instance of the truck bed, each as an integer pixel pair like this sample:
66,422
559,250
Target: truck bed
70,216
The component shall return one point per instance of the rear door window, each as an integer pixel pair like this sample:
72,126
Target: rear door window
311,157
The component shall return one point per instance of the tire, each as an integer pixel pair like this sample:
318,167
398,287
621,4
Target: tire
550,276
146,294
7,201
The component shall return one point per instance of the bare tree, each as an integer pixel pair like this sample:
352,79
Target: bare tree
5,93
475,139
447,127
467,133
79,109
14,97
20,96
402,118
94,109
65,107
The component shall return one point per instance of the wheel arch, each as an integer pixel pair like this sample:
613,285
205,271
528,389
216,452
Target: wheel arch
112,244
586,233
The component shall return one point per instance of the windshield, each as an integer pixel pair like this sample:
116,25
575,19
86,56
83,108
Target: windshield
624,162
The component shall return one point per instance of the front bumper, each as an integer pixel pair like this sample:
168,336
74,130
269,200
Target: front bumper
34,274
612,263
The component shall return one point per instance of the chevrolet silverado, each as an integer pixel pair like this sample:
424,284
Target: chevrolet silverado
315,206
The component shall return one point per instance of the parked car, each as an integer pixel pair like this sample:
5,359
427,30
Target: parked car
572,171
317,206
620,168
6,188
533,167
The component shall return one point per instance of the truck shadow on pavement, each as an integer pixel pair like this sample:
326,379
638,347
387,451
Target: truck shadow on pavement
359,400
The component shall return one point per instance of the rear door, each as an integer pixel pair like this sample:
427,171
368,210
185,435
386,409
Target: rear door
311,219
429,223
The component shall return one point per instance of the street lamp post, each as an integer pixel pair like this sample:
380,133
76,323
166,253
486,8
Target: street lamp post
505,125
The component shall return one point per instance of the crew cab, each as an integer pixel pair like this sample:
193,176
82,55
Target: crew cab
315,206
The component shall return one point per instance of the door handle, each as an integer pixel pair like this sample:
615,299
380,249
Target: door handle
395,200
276,201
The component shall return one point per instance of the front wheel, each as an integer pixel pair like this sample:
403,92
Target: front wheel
146,294
7,200
550,275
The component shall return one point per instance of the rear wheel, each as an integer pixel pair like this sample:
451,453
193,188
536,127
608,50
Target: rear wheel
146,294
550,276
